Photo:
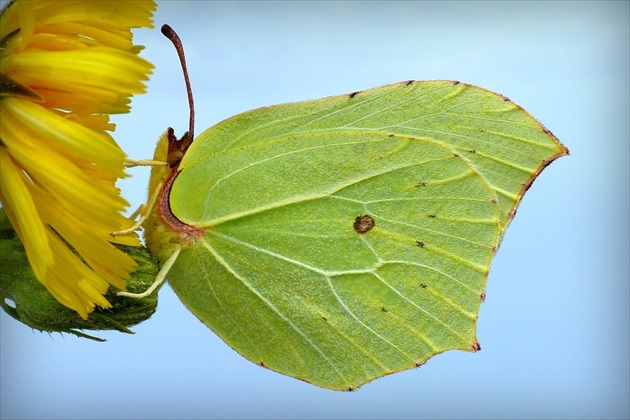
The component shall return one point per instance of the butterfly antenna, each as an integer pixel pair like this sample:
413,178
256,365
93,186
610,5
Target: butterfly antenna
168,32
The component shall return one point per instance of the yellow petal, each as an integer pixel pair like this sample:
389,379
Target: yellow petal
95,77
25,122
23,214
90,242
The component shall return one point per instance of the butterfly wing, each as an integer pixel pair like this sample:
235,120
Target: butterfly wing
350,237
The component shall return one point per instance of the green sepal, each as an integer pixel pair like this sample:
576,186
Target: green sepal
24,298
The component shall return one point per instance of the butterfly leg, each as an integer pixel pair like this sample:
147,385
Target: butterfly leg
132,163
159,279
143,211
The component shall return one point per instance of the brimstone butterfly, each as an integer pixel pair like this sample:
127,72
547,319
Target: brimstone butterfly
342,239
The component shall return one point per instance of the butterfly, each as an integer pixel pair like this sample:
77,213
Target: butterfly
342,239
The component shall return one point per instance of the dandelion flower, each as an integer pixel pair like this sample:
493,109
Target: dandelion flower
64,66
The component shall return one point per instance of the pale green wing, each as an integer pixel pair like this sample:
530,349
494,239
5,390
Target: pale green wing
500,140
350,237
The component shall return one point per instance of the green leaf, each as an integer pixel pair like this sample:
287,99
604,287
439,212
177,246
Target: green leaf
24,298
343,239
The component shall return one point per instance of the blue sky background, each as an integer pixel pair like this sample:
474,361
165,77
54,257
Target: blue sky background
554,328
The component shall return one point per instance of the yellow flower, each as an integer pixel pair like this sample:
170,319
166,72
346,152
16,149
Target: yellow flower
64,66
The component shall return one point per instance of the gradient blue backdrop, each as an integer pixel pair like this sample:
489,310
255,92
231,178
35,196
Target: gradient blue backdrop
554,328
